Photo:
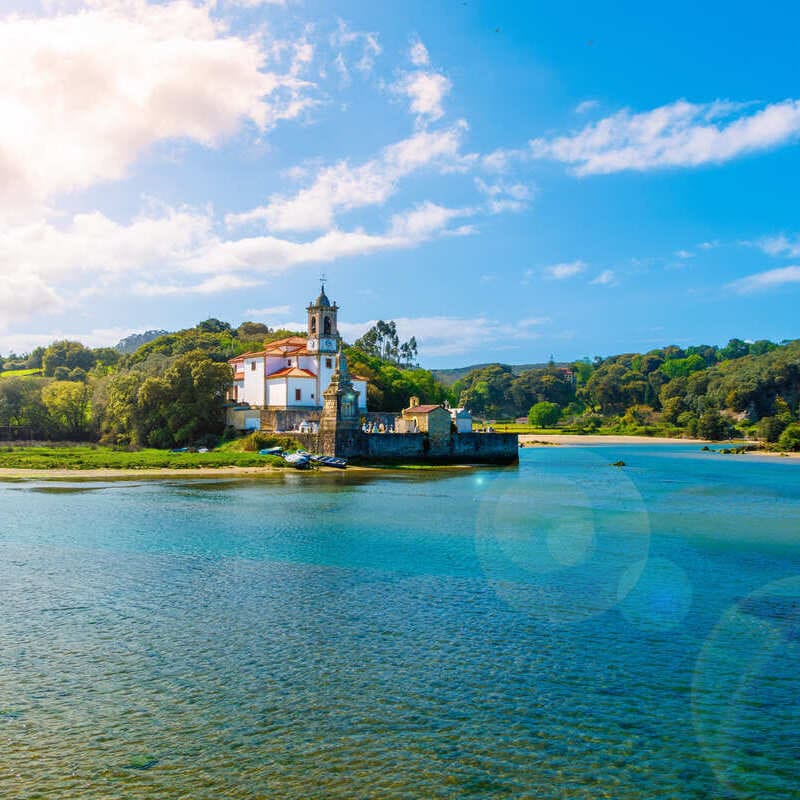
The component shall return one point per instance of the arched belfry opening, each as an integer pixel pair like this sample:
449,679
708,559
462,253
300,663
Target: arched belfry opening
323,333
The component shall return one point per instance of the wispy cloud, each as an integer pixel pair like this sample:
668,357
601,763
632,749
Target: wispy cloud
215,285
565,270
447,336
425,90
606,278
418,54
502,196
770,279
684,254
680,134
344,186
780,245
269,311
586,106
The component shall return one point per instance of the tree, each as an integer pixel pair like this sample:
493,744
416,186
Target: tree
712,425
736,348
213,325
68,403
249,331
67,354
790,438
544,414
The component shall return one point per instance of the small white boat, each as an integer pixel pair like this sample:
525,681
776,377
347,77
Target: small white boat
298,460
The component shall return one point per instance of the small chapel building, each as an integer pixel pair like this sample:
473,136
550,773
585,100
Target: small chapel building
291,374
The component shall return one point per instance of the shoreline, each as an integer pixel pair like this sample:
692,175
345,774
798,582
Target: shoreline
592,440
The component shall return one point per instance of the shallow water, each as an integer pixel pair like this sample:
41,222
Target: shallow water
564,629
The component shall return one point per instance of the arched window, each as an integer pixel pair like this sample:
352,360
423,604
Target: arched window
313,324
327,326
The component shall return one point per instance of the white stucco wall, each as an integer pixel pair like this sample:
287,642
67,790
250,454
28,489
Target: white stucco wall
276,388
254,381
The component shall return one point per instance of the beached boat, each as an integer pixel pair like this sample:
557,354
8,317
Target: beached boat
271,451
298,460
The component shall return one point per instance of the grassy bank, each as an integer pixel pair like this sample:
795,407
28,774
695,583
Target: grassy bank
96,457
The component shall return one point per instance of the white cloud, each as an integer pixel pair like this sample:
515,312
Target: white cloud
425,219
84,93
215,285
500,160
586,106
255,3
680,134
770,279
780,246
342,186
502,197
23,296
710,245
566,270
425,91
605,278
345,39
447,336
269,311
418,54
684,254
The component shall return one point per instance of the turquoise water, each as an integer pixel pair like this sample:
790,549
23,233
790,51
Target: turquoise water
564,629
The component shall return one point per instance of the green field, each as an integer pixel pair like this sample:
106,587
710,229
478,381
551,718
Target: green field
93,457
20,373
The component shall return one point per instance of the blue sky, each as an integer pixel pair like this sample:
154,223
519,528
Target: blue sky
506,180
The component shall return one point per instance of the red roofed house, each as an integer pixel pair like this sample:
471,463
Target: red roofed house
292,373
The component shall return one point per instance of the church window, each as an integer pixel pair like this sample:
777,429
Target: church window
252,366
297,394
327,326
329,363
288,362
313,324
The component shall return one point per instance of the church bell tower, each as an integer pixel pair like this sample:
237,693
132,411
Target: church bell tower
323,334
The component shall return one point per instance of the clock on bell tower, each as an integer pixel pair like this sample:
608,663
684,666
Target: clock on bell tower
323,334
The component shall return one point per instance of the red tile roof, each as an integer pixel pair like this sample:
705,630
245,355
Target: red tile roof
290,344
421,409
292,372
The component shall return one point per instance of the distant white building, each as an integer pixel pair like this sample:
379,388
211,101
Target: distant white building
292,373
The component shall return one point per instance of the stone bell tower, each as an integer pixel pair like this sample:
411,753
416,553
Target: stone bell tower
323,333
340,422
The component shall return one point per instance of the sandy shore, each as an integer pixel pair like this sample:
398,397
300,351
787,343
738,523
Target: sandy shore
544,439
565,438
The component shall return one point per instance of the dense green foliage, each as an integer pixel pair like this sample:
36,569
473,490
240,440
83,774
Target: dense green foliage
170,391
390,385
702,391
544,414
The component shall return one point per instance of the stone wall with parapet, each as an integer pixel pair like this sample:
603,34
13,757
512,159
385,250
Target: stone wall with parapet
419,448
287,419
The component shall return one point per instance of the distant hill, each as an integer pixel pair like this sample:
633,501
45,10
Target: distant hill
447,377
131,343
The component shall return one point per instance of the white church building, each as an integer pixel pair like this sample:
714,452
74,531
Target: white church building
291,374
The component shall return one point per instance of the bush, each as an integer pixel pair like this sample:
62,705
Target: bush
790,438
544,414
259,440
712,425
771,428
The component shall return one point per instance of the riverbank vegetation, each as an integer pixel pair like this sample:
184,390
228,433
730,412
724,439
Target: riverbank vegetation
708,392
170,390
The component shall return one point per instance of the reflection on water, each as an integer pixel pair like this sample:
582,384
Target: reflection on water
382,635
